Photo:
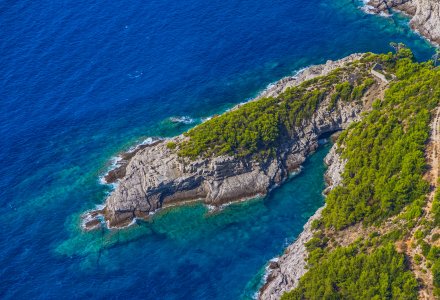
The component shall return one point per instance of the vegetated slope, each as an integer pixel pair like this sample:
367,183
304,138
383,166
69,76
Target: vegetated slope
258,127
383,189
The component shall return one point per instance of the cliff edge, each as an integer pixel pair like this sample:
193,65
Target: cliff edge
425,14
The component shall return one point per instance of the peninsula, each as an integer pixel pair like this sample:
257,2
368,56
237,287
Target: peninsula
378,234
381,208
247,151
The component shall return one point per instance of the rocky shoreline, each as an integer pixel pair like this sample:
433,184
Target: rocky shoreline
153,176
425,14
283,273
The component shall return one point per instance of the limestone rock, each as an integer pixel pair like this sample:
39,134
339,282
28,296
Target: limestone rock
425,14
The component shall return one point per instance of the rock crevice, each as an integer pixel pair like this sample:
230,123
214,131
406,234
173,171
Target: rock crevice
283,273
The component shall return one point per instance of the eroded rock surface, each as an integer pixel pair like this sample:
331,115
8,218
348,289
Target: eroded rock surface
425,14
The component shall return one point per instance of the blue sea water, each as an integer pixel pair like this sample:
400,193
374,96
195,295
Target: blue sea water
82,80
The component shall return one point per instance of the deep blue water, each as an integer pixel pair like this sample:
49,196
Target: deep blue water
82,80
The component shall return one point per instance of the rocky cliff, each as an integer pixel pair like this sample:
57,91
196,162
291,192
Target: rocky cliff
155,177
425,14
283,273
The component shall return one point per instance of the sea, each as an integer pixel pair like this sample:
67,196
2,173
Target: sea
81,81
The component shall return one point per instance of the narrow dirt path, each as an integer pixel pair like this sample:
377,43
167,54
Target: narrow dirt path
432,175
433,156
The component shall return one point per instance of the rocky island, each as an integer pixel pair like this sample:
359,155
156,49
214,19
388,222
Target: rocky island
169,172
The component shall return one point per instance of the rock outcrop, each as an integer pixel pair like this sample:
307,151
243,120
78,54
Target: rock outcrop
425,14
333,175
155,177
283,273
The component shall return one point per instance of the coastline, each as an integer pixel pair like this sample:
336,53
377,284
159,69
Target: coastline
293,261
424,15
120,160
86,82
284,272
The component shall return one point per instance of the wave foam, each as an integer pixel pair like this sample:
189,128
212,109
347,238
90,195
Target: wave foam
118,160
147,141
371,10
183,119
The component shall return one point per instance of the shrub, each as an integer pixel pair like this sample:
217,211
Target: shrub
171,145
258,128
347,273
385,152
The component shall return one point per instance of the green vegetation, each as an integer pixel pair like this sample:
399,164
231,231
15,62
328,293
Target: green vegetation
348,273
385,151
257,128
436,208
433,256
429,249
171,145
383,175
382,178
346,92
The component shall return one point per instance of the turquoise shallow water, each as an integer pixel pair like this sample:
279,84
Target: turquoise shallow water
82,81
192,248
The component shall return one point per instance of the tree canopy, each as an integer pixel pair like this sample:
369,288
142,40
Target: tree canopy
257,128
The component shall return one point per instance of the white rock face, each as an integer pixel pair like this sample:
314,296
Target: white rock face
426,20
425,14
336,165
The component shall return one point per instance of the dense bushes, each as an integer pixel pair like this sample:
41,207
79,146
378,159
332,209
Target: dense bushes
347,273
383,175
433,256
242,131
257,127
346,92
385,151
171,145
